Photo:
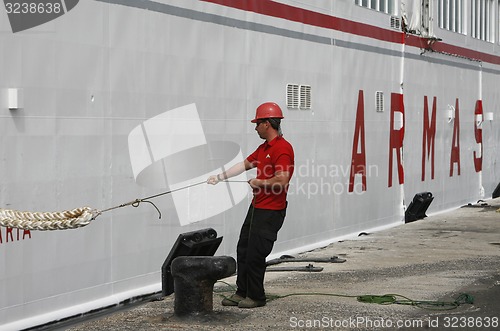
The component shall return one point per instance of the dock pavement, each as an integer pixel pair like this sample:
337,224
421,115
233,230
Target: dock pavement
442,273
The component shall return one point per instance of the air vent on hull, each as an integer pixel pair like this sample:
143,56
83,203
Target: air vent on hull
298,96
396,23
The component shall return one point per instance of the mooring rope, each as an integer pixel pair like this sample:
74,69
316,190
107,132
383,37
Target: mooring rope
70,219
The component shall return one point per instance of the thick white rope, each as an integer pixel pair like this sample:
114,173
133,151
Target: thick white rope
68,219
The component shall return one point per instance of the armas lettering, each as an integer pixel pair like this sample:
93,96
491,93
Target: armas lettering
10,235
396,140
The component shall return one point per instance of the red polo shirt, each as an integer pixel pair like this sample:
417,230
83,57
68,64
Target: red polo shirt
270,157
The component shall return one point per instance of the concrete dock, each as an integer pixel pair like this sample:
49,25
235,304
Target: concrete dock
434,260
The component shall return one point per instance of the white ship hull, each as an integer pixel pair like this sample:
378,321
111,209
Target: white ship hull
86,80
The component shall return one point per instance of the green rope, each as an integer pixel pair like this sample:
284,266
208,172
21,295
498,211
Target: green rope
379,299
463,298
274,297
386,299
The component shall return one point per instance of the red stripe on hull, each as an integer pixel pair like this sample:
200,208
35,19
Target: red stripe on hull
290,13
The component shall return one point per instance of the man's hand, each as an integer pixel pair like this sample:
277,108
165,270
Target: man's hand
255,183
278,182
213,180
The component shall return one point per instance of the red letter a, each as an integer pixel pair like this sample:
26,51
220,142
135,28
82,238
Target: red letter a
358,159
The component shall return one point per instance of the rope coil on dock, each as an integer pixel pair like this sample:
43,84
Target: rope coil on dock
68,219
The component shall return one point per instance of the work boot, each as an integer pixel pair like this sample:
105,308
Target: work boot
250,303
233,300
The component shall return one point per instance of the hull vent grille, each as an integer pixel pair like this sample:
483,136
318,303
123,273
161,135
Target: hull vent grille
396,23
379,101
298,96
292,96
305,97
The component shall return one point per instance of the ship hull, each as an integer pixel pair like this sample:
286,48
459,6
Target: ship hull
388,116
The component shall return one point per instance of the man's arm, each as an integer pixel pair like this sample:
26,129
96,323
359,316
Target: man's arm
279,181
282,175
235,170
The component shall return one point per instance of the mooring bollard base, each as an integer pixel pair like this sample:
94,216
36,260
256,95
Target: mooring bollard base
194,279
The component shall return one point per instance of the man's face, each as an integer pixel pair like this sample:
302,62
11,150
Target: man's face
261,128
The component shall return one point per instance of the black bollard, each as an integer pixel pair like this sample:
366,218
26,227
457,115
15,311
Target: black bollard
194,279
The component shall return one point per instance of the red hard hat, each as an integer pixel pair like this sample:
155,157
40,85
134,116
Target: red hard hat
267,110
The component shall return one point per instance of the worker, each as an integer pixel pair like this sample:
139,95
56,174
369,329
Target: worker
274,160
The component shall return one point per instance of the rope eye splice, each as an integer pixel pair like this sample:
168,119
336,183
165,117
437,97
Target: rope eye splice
135,204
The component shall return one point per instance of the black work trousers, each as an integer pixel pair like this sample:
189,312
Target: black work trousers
257,237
